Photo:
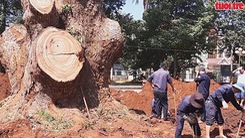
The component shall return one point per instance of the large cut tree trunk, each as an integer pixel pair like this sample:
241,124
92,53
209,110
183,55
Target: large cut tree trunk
62,53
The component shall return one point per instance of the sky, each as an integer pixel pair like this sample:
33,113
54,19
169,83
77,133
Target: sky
134,9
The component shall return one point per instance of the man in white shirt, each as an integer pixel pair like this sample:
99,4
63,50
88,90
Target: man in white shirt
240,73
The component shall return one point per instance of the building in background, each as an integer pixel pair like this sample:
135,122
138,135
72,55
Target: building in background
118,73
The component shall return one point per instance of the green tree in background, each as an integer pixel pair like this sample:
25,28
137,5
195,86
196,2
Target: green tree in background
10,12
175,30
112,7
230,25
133,34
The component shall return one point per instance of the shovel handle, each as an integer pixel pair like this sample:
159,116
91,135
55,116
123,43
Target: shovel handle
175,110
240,124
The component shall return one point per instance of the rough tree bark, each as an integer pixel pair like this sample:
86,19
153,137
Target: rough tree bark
64,49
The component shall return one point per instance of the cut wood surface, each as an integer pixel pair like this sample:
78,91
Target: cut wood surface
42,6
56,52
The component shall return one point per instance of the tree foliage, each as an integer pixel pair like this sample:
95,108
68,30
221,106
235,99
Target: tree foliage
112,7
10,12
175,30
230,25
133,33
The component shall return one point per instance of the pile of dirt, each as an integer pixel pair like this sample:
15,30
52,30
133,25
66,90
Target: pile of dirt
142,101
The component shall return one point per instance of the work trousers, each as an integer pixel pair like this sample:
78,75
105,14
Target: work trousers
180,125
161,101
213,113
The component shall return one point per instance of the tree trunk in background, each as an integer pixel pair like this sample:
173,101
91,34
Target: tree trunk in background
64,49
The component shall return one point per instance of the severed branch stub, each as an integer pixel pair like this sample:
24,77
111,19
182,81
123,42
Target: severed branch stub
57,54
42,6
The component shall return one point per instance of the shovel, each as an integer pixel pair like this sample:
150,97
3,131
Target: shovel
175,110
240,124
175,106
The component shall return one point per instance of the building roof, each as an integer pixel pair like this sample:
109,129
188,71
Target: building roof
224,61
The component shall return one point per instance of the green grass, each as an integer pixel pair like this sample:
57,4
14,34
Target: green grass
58,123
46,116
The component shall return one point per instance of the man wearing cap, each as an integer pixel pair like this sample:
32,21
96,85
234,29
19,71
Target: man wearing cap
188,109
159,80
203,82
219,98
240,73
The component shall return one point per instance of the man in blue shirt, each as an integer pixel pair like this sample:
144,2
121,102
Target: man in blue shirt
203,82
219,98
188,109
159,80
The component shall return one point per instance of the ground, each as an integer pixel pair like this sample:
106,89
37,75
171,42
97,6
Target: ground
124,114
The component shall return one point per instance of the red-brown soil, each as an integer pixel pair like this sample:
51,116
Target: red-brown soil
4,86
142,100
113,119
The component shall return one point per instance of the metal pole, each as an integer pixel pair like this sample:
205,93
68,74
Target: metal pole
231,78
239,60
232,58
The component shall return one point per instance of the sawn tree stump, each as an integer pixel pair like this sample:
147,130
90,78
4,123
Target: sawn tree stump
58,57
